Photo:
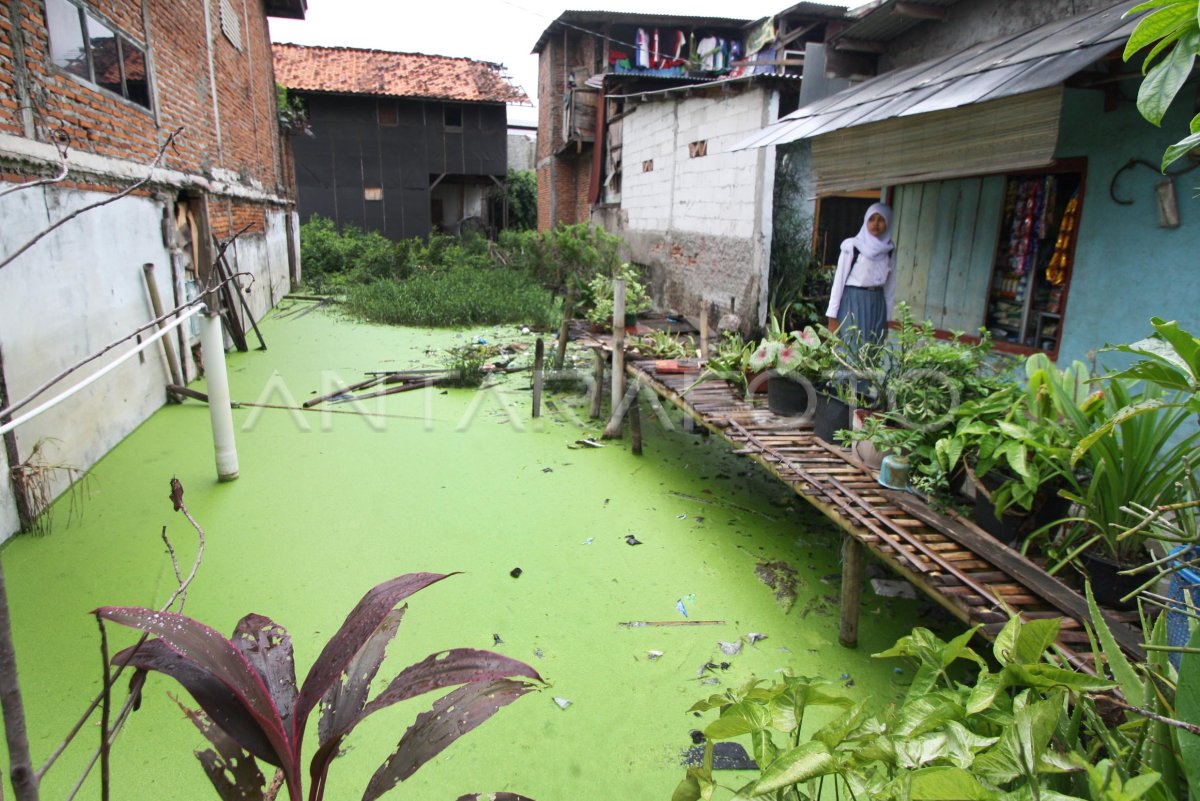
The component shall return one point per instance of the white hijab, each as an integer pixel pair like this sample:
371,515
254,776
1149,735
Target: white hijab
873,246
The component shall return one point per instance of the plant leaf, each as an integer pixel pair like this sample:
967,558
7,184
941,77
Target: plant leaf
1165,78
1158,25
205,648
446,669
233,772
494,797
1187,708
947,784
344,701
221,705
267,646
1034,638
1131,684
451,717
807,761
1185,345
355,631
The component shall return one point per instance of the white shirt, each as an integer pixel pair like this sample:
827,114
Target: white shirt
868,272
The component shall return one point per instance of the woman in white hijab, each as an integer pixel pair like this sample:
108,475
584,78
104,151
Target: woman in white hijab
864,287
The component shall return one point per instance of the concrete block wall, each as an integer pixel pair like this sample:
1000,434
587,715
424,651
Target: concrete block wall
83,286
699,223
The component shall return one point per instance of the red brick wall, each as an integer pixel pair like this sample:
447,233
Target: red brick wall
101,123
563,180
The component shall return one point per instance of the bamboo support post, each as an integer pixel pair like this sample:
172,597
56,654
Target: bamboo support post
539,356
613,429
704,331
597,383
852,578
560,352
635,420
168,348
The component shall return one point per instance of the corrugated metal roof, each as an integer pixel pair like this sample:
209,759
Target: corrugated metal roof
574,20
354,71
814,10
884,22
1035,59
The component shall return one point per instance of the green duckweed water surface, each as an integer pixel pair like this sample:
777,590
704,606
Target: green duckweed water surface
327,506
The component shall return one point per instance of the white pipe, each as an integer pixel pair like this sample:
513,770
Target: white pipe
212,340
96,376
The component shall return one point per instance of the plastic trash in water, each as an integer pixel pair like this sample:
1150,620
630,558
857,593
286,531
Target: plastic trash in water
731,648
654,655
563,703
481,341
679,605
588,541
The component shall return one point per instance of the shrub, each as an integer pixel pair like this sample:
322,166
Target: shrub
457,296
333,259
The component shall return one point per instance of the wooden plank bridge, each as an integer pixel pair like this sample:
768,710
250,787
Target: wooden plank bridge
947,557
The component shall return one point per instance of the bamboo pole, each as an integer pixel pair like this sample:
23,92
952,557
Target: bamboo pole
560,352
539,355
597,383
156,305
852,578
613,429
704,307
635,420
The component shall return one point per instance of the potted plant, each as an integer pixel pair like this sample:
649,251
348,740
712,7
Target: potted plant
728,360
600,288
793,362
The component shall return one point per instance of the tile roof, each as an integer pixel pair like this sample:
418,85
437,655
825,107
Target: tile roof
353,71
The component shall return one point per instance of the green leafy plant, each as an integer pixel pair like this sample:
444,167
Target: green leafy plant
467,364
251,709
664,345
291,111
520,190
1172,32
729,360
600,294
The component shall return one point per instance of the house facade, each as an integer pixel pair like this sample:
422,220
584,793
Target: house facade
1025,183
92,94
399,143
638,114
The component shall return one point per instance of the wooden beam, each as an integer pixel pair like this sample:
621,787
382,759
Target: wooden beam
919,11
852,579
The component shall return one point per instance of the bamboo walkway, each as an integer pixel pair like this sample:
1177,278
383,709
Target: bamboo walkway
944,555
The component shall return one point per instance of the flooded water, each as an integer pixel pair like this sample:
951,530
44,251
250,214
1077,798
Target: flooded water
328,505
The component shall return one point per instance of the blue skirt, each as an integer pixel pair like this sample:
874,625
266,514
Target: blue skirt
862,316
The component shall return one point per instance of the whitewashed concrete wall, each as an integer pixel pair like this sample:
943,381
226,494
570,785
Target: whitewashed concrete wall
81,288
702,224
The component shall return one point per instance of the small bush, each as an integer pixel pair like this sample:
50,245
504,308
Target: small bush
333,259
456,296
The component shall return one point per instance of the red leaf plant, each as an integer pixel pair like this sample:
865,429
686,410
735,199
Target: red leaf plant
251,707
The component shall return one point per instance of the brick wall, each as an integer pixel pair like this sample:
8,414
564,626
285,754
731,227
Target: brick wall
245,144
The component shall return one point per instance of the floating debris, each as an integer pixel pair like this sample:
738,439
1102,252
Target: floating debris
563,703
754,637
632,540
496,640
712,680
637,624
697,737
893,589
731,648
682,516
726,756
515,572
539,653
782,579
681,607
589,443
654,655
588,541
547,469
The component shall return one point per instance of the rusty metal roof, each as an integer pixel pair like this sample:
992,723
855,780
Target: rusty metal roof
353,71
1035,59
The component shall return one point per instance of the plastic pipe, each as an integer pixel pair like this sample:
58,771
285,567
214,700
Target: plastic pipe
212,340
96,376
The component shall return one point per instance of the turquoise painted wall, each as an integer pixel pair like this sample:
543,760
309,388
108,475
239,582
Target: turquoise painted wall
1127,269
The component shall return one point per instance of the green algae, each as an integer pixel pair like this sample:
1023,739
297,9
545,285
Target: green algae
328,505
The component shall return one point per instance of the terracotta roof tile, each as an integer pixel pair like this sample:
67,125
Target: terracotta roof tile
349,70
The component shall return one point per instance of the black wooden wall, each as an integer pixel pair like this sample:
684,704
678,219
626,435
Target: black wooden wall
351,151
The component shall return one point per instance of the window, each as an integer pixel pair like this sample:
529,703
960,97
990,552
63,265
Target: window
698,150
373,193
388,114
84,46
452,116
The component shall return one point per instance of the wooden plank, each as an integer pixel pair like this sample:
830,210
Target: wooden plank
959,314
1019,567
939,258
973,291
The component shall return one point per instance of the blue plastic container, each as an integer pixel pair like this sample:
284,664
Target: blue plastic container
1185,600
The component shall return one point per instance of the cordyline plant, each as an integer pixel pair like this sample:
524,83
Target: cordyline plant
252,708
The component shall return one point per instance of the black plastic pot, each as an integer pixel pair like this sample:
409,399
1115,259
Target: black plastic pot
1014,526
787,397
832,414
1108,585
